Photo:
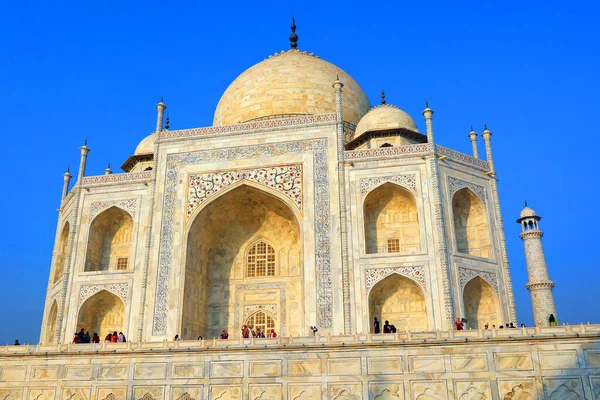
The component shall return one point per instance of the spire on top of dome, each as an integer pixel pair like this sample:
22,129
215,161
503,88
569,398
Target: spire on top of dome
382,97
293,36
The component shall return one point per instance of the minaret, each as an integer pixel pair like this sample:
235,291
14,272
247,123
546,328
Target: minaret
161,112
473,137
108,171
539,285
66,180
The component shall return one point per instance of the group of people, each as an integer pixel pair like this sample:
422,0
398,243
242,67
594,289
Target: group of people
248,332
460,325
387,327
84,337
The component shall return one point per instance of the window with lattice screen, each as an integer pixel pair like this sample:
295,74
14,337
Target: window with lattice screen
261,320
260,260
393,245
122,263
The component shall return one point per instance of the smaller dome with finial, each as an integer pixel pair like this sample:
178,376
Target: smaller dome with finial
146,146
527,212
385,117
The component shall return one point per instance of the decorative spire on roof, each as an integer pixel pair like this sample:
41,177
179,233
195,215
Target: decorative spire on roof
167,122
85,142
485,127
382,96
526,203
293,36
162,99
472,130
426,103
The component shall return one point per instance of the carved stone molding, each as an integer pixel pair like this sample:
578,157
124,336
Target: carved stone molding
466,274
386,151
286,179
129,205
117,178
121,290
455,184
416,273
406,181
322,221
253,308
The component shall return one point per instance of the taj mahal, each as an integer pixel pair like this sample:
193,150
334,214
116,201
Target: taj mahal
304,204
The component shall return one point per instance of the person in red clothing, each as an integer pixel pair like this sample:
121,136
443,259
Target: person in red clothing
108,338
95,338
114,337
224,334
76,338
272,334
459,325
245,332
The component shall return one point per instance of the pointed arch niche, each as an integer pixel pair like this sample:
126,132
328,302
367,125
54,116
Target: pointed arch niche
109,242
245,241
51,324
391,221
471,224
59,263
481,304
400,301
102,313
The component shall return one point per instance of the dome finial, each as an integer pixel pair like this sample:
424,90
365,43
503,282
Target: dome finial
382,96
293,36
526,203
472,130
167,122
485,126
426,103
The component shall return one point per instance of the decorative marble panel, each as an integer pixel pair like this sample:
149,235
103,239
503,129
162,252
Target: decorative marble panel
472,390
113,371
265,392
345,391
559,359
455,184
386,391
513,361
469,363
78,372
343,366
429,390
227,369
13,374
76,394
188,392
11,394
150,371
252,308
219,392
44,372
148,392
265,368
121,290
564,388
466,274
426,364
117,178
112,393
322,222
41,393
129,205
304,392
406,181
286,179
305,368
188,370
384,365
416,273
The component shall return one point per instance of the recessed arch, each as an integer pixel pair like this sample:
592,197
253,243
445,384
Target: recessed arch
481,304
399,300
391,220
61,256
109,241
50,332
102,313
263,320
471,224
219,237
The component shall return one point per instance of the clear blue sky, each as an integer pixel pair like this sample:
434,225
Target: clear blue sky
86,69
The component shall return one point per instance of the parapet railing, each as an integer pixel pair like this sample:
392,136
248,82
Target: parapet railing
399,338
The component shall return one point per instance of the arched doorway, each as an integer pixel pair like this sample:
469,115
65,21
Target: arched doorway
59,263
51,324
262,320
243,251
391,222
102,313
400,301
481,304
471,225
109,242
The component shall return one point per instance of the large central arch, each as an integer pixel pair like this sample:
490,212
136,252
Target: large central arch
242,248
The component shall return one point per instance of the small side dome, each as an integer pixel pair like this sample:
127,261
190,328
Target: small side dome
385,117
146,146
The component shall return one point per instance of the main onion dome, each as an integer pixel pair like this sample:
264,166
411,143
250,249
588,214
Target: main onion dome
289,84
385,117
